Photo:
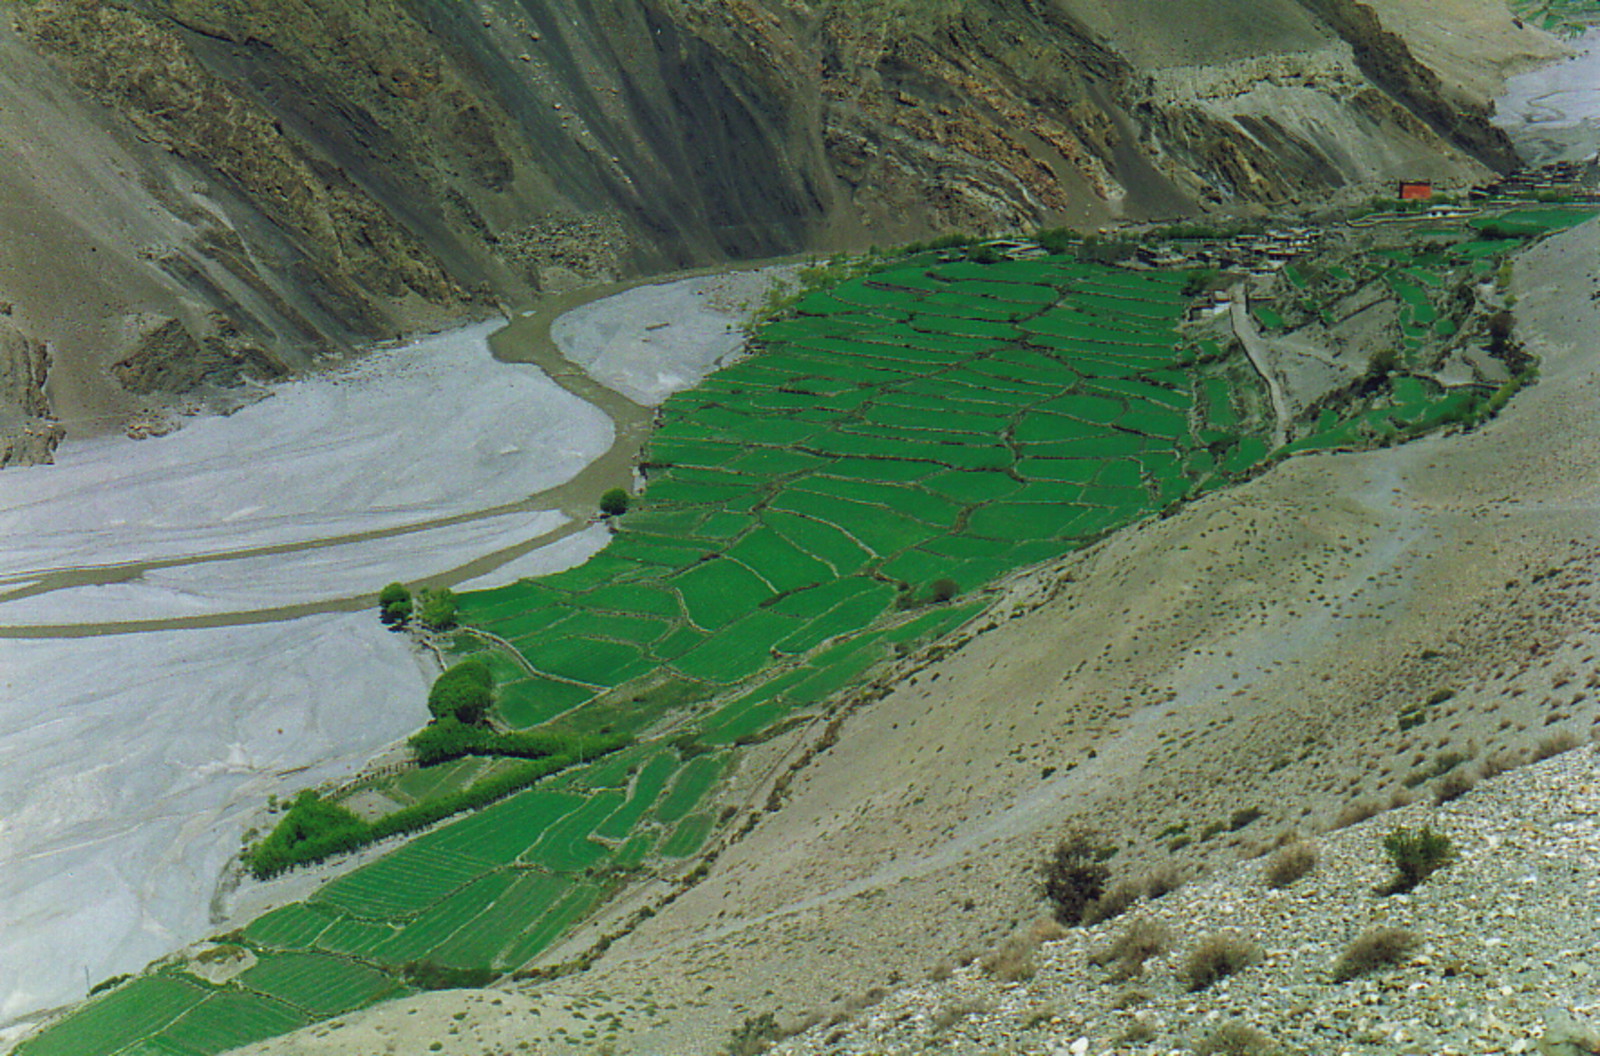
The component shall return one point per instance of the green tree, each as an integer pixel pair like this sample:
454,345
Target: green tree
439,608
394,604
464,692
614,503
944,589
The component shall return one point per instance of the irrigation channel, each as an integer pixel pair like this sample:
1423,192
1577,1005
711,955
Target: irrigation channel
901,440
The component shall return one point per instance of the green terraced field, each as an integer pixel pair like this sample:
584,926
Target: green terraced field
914,424
316,983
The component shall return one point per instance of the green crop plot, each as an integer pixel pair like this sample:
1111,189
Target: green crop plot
497,835
717,593
399,884
743,650
528,702
294,927
228,1020
316,983
122,1018
573,906
647,787
688,837
690,786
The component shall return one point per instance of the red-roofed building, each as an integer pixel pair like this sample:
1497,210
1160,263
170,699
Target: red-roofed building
1415,191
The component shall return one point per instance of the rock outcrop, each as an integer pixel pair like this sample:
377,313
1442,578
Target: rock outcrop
27,433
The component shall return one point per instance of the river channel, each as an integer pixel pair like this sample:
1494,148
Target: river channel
186,623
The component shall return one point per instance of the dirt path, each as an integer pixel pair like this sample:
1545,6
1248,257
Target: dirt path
1244,328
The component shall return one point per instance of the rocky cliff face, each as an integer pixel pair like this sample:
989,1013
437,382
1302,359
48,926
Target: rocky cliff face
243,185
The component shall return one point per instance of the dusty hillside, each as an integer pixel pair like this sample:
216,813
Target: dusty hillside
204,193
1326,638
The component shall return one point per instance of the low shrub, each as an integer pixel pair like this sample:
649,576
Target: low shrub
109,984
1453,786
1113,902
754,1036
1141,1031
1499,762
941,590
1554,745
1217,957
1141,940
1162,880
1374,949
1012,960
1356,812
1234,1038
1289,863
1243,817
1417,854
1075,874
949,1015
427,975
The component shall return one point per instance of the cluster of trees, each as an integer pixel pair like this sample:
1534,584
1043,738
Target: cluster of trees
447,739
436,609
315,828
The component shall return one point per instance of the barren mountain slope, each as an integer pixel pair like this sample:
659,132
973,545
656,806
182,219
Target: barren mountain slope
1253,653
202,192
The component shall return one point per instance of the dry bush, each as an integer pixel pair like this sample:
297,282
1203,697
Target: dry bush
1012,960
1555,744
1162,880
1356,811
1115,901
1236,1039
1141,940
1289,863
1217,957
1452,786
1375,948
950,1015
1139,1032
1075,874
1499,762
1130,998
941,972
1046,929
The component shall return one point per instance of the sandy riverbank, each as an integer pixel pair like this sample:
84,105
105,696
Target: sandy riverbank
133,761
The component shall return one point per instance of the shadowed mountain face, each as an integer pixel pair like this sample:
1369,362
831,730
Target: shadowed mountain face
204,191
